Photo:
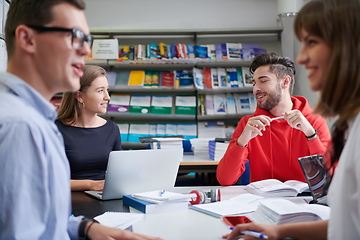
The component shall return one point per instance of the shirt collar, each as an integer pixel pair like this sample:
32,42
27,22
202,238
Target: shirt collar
29,95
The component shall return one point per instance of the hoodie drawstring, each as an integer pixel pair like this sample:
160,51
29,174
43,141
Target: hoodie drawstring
290,146
271,154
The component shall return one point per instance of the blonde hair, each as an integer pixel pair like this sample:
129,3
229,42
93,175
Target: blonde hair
69,110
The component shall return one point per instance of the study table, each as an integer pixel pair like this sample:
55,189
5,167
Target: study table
182,225
197,163
202,165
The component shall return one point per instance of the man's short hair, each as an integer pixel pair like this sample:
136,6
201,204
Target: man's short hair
280,66
31,12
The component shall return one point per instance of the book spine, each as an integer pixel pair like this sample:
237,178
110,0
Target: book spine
127,200
205,211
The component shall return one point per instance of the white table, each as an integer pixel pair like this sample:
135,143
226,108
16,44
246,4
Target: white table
190,224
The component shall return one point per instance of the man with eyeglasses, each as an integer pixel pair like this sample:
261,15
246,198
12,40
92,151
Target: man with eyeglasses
47,41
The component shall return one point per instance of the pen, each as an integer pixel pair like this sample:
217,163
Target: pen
276,118
162,192
253,234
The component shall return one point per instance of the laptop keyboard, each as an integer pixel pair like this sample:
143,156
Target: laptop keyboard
322,200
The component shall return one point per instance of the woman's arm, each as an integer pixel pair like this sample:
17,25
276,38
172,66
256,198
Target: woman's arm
85,185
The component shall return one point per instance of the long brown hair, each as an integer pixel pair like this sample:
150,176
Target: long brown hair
69,110
337,23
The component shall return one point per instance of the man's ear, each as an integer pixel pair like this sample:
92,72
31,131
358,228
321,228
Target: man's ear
286,82
78,96
25,38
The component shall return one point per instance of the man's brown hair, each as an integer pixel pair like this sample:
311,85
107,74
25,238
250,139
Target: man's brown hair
31,12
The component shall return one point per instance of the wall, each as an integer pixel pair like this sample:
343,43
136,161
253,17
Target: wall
180,14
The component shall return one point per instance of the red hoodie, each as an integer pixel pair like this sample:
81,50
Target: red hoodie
276,153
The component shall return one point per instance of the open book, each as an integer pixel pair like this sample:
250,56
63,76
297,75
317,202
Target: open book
281,211
276,188
120,220
239,205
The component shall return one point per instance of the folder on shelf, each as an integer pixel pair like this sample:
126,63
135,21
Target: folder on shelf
187,130
140,104
122,78
247,77
111,76
138,130
152,129
242,102
136,78
170,129
230,103
119,103
185,105
161,104
124,131
160,129
220,104
167,79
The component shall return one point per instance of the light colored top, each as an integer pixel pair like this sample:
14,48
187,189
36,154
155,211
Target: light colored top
34,171
344,192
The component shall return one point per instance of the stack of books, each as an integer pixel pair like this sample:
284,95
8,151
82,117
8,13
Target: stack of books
281,211
217,148
158,201
200,146
169,142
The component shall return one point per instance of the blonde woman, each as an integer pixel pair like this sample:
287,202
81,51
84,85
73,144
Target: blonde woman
88,138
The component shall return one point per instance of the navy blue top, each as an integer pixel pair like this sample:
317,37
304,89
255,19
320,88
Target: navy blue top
87,149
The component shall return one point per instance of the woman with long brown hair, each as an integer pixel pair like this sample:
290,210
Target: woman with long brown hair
330,37
88,137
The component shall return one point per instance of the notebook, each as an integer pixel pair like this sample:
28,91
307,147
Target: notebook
121,220
137,171
316,174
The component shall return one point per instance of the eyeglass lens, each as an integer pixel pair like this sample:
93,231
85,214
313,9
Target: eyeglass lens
79,37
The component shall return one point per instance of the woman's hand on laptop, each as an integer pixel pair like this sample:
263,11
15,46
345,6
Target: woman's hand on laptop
99,232
97,185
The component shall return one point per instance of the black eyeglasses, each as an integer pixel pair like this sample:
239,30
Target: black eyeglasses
78,37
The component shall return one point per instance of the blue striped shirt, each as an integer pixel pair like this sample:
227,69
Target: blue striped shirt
34,171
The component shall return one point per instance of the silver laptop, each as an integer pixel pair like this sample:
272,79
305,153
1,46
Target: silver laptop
316,174
138,171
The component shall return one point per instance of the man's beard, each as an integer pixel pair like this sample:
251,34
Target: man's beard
272,101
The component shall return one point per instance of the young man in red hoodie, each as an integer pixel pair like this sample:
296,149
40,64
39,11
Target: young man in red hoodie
273,146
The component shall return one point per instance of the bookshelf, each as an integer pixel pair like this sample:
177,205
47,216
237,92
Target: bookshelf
268,38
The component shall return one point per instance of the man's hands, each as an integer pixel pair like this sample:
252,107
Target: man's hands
253,128
257,124
297,120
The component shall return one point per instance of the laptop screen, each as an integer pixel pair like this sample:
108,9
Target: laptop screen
315,172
